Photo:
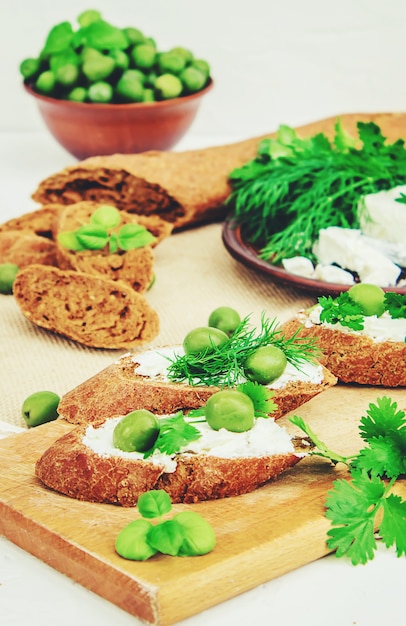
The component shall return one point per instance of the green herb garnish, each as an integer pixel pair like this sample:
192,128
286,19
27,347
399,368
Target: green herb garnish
341,310
395,304
353,506
345,311
223,365
97,235
174,433
296,187
261,397
186,534
402,198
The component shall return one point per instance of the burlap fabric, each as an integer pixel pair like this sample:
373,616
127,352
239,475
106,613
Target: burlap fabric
194,275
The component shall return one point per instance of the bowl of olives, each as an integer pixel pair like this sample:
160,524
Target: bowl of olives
101,89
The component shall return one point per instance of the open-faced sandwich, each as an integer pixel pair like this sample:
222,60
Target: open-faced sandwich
225,354
361,333
230,447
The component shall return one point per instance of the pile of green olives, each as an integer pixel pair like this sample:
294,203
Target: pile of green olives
102,63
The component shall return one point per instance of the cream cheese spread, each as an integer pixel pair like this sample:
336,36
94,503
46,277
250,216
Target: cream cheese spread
383,328
154,363
265,438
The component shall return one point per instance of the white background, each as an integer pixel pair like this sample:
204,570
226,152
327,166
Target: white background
273,62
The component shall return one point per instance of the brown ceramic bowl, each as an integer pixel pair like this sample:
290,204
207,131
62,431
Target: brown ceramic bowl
87,129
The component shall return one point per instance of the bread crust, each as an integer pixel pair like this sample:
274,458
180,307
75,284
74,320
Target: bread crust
24,247
185,188
356,358
118,389
70,467
94,311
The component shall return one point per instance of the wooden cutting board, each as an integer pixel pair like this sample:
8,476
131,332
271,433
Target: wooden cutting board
260,536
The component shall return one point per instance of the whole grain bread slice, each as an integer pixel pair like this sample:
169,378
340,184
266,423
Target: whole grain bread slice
118,388
72,468
92,310
24,247
354,357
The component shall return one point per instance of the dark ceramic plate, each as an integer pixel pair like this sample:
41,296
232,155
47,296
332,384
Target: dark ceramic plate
248,255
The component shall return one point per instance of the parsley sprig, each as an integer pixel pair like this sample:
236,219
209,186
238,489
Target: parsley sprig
294,187
175,432
356,507
223,365
345,311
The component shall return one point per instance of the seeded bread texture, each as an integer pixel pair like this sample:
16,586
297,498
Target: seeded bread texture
356,358
23,247
41,221
185,188
135,267
91,310
118,388
70,467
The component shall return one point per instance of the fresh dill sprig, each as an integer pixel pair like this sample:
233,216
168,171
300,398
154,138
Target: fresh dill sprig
223,366
295,187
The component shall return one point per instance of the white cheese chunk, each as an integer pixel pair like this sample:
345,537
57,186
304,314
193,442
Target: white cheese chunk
348,249
382,217
299,265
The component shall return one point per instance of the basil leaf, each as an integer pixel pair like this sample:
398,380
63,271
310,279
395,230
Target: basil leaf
132,236
106,216
166,537
92,237
154,503
69,240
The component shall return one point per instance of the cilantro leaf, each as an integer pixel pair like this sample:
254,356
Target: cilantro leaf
341,310
395,304
383,456
261,397
402,198
352,507
382,418
175,433
393,527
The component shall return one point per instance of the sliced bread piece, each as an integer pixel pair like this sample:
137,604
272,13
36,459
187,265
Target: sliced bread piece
84,464
364,357
139,381
91,310
24,247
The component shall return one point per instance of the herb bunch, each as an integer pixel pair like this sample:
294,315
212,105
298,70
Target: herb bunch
99,234
295,187
222,366
185,534
345,311
356,507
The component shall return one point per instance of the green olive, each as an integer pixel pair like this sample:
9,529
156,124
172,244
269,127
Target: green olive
8,272
369,297
203,338
40,407
131,543
230,409
225,318
199,537
136,432
265,365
